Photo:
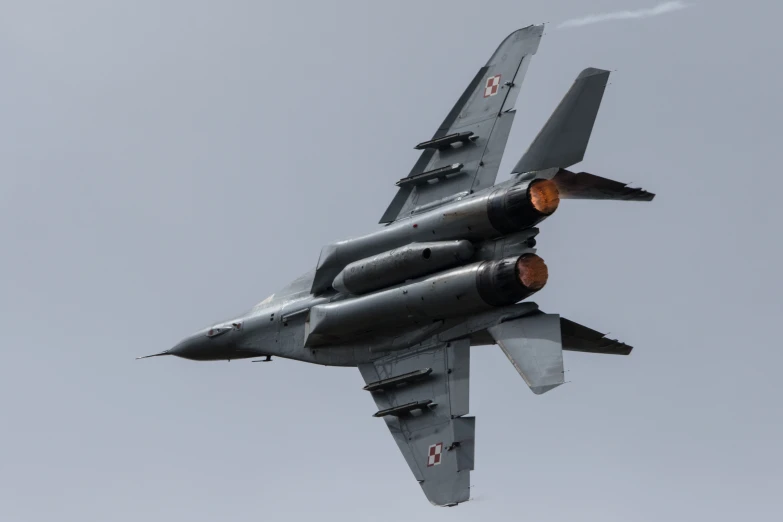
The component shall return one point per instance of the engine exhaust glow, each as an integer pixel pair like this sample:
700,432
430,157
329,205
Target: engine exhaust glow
544,196
532,272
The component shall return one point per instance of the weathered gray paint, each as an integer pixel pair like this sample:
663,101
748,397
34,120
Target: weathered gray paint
485,116
448,294
534,346
400,264
414,318
462,219
448,482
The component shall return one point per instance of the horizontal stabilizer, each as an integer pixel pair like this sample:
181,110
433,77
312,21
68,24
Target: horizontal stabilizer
533,345
578,338
589,186
563,140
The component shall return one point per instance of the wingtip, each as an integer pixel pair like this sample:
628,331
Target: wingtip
526,38
535,30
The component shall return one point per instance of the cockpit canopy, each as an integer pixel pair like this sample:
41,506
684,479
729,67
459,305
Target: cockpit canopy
223,328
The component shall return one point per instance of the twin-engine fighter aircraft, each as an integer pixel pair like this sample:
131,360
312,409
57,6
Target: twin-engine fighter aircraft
450,269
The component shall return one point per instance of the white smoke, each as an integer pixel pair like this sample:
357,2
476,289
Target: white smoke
662,8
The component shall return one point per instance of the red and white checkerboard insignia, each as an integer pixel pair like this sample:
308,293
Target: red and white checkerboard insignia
434,454
492,86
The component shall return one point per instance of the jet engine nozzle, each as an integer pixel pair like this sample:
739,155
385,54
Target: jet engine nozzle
522,206
505,282
544,196
532,272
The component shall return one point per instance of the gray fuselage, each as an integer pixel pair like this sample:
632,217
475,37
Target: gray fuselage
279,325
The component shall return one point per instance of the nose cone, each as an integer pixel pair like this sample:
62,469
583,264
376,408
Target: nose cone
218,343
225,342
198,347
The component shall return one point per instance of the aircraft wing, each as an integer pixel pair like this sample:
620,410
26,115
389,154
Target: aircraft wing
423,397
464,153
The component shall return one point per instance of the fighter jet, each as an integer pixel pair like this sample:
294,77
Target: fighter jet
451,267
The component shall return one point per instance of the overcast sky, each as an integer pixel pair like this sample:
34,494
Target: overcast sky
166,165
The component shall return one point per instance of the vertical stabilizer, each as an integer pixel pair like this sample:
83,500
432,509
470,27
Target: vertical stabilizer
534,346
563,140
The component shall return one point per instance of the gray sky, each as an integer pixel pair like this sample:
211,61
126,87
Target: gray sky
151,156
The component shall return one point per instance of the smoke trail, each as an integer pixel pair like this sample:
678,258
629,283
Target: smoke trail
662,8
